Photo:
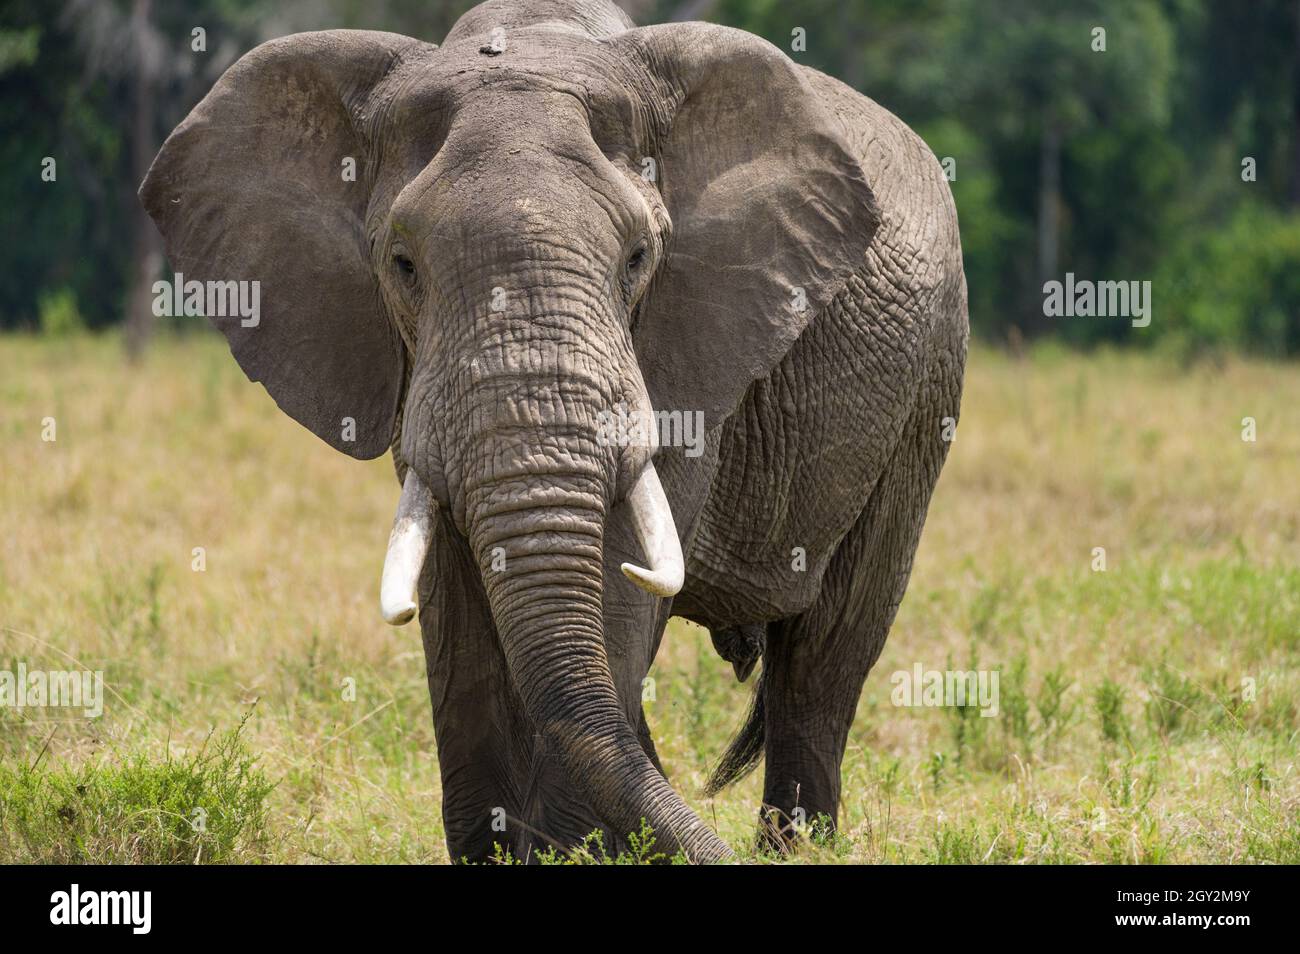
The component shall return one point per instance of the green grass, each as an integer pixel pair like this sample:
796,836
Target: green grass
1147,714
205,806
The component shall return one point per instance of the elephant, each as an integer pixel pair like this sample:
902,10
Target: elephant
477,255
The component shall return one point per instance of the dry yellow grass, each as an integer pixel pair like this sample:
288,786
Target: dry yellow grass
1056,454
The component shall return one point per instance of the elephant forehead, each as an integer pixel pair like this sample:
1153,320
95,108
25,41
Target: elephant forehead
587,83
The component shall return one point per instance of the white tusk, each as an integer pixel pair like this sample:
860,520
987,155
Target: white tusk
653,521
407,546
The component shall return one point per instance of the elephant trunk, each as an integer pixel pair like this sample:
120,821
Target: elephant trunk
541,554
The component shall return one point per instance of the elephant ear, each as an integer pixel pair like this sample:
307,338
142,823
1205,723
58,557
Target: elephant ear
251,188
771,214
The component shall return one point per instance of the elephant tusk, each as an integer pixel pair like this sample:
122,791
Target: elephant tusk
653,521
407,546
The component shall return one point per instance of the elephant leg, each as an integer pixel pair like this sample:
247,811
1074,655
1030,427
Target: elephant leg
815,664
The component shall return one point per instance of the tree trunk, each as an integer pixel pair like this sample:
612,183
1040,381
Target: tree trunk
1295,114
146,255
1049,201
1049,216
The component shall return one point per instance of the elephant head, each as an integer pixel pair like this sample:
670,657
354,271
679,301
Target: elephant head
471,254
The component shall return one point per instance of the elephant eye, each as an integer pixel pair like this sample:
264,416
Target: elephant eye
637,257
405,267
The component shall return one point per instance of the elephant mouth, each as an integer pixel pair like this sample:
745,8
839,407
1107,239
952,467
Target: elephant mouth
408,545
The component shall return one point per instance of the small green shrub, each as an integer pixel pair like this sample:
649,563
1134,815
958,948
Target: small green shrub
1175,701
204,807
1109,702
639,851
58,314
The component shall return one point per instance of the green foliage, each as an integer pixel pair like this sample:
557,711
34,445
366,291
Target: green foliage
1236,288
1175,702
1144,141
988,231
68,90
18,48
1014,702
639,851
1151,133
1055,714
1109,701
951,845
207,806
59,316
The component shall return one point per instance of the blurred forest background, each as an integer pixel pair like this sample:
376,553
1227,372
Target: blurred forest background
1173,156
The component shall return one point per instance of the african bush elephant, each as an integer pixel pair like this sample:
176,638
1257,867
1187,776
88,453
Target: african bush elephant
559,220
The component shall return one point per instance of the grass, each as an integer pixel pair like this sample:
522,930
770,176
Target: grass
207,805
1148,713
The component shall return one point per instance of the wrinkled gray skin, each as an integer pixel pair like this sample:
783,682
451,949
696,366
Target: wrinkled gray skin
773,186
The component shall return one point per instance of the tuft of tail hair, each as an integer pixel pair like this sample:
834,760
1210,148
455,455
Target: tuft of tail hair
745,750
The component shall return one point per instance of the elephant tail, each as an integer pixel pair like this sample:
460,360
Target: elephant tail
746,748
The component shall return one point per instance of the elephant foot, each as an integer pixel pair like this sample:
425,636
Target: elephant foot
742,646
777,834
782,834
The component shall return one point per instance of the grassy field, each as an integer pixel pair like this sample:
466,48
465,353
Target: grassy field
1148,713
